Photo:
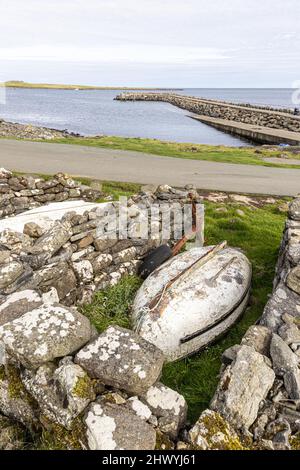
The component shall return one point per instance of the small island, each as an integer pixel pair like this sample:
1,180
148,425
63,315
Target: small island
55,86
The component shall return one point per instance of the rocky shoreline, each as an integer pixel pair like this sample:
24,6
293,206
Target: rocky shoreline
28,131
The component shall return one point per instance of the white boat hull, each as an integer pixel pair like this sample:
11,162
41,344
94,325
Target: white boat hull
194,305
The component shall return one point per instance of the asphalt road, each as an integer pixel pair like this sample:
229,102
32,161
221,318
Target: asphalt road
135,167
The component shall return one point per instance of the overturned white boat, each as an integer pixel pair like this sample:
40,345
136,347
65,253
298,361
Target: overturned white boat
192,299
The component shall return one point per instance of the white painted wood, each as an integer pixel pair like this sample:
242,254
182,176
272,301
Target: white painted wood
200,306
47,213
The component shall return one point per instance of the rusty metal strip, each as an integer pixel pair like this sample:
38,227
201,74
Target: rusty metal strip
187,272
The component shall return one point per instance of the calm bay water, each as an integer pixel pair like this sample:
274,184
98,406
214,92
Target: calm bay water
94,112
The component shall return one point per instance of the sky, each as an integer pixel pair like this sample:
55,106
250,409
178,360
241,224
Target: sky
166,43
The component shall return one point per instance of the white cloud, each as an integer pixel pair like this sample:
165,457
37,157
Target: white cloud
120,53
239,41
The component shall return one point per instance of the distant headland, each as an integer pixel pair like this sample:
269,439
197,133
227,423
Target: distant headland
55,86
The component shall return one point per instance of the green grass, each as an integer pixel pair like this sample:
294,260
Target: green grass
243,155
112,306
117,189
258,233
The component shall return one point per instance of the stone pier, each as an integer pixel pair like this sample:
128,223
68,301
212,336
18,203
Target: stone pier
258,124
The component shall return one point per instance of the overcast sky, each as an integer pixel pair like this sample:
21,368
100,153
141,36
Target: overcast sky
176,43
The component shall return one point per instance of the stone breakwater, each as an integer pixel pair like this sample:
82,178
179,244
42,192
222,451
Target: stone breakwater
20,193
246,114
28,131
259,390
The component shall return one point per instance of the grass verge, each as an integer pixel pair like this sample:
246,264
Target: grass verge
238,155
258,232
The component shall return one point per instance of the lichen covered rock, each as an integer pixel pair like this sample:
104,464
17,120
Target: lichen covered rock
15,305
294,209
242,387
259,338
62,393
285,364
44,334
15,402
16,242
212,432
168,406
293,279
9,272
59,276
282,356
290,333
283,301
53,239
113,427
84,271
139,408
122,359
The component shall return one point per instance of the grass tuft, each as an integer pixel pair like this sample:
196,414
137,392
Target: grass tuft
112,306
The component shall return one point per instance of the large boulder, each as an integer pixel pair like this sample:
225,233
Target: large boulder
113,427
12,435
52,240
16,242
290,333
62,393
243,386
60,276
283,301
15,402
168,406
15,305
294,209
282,356
259,338
285,364
9,273
122,359
293,279
212,432
44,334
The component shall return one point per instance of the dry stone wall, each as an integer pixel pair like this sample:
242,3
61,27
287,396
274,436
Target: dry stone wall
247,114
88,390
103,391
259,391
70,256
57,374
20,193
